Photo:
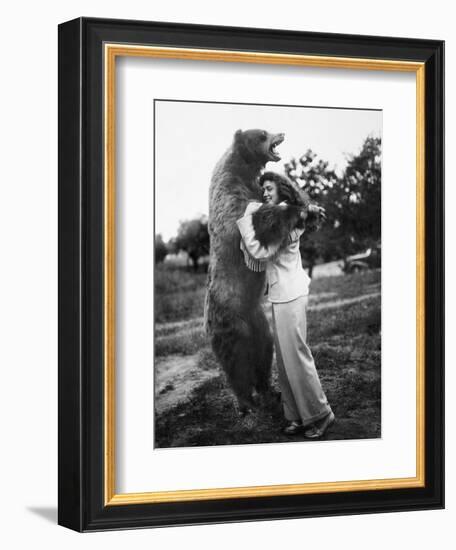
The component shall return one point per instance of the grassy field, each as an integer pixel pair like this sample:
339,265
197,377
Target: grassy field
195,407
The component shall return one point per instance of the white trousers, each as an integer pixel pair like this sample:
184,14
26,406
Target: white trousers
303,397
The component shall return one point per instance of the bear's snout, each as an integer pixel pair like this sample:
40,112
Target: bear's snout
276,140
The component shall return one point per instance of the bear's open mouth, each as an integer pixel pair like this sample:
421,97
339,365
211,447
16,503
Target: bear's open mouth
275,142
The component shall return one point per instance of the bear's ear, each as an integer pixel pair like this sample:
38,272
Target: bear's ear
238,135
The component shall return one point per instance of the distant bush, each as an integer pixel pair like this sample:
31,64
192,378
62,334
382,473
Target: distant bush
193,238
161,250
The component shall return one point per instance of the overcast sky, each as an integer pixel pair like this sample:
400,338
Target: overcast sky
191,137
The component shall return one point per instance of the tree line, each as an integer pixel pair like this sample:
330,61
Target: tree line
352,201
192,237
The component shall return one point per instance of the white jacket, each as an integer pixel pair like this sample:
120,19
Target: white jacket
285,275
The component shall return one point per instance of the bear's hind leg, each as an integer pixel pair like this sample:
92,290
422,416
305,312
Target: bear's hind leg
263,345
233,349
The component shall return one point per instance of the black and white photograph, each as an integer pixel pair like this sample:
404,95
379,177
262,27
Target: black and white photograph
267,279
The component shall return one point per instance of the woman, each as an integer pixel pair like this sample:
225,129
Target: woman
304,402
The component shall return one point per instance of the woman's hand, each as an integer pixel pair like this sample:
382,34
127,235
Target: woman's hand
318,211
315,211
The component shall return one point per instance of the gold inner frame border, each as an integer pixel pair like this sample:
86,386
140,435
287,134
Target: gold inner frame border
110,53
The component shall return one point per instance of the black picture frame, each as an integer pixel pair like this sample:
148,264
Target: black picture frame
81,274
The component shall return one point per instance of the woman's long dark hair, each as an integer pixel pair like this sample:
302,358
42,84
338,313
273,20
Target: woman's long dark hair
286,190
290,193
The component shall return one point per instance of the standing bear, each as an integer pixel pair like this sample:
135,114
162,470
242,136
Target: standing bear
234,318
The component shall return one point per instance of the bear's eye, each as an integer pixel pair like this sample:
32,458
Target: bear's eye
264,135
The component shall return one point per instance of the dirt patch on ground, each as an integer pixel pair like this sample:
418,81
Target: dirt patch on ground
176,378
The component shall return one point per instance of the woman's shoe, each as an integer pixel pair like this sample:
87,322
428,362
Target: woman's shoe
293,428
316,433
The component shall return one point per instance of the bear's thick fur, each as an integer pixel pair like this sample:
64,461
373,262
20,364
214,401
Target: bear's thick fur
234,319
